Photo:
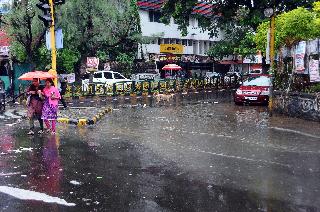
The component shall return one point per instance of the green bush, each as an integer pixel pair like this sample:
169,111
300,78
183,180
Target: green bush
315,88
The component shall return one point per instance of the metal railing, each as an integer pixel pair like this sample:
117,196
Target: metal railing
133,88
151,87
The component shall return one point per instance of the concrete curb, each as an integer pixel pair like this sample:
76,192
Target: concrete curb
84,122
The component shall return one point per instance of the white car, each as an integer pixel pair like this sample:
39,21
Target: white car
212,74
107,78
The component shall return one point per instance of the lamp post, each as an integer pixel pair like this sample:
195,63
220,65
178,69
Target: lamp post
269,12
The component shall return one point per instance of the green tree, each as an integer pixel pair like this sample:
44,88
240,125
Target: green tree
89,28
291,27
234,17
92,27
25,30
125,62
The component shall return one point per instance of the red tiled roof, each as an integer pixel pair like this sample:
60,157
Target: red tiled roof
202,8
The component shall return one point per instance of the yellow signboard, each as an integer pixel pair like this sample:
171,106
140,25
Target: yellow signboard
171,48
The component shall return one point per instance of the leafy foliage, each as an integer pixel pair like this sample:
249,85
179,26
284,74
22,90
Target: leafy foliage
90,28
291,27
238,19
99,25
125,62
25,30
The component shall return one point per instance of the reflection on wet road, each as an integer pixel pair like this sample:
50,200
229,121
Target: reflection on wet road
192,157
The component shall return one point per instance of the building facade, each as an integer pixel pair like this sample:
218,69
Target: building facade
192,48
164,43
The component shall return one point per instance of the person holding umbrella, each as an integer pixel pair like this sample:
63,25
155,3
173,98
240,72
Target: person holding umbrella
34,105
35,98
51,97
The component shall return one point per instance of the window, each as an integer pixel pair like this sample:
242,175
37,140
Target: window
257,81
98,75
184,42
154,16
118,76
189,42
192,22
108,75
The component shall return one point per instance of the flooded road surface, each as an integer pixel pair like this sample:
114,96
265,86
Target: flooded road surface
205,156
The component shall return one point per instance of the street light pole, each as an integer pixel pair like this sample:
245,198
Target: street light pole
269,12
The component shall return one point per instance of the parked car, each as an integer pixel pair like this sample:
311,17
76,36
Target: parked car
107,78
255,89
212,74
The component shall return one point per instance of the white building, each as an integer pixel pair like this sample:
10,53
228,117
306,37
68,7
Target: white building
194,46
196,42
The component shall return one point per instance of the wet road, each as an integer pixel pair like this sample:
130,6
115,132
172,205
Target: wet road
204,156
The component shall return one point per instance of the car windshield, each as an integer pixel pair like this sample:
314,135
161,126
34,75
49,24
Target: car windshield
118,76
257,81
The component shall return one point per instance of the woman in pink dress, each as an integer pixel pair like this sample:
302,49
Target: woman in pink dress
51,97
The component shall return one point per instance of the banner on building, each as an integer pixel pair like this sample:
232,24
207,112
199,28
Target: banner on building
4,44
268,48
171,48
314,70
299,57
92,62
169,58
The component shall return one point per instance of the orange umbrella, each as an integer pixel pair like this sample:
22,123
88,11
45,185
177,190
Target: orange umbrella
171,67
36,75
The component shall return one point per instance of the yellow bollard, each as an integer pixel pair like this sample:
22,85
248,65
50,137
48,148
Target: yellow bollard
63,120
82,122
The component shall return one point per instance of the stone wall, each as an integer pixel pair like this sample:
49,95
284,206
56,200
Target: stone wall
301,105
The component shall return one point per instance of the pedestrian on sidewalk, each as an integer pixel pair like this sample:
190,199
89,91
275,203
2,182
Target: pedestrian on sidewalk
34,105
63,89
51,97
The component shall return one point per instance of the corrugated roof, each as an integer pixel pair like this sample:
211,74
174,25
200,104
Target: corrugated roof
202,8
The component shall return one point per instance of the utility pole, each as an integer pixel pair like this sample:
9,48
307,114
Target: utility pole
272,41
270,13
53,69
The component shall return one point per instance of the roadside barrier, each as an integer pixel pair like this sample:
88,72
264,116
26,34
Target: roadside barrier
142,88
86,121
134,88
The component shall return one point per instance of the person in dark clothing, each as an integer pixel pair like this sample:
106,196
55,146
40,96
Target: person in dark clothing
63,89
35,105
2,95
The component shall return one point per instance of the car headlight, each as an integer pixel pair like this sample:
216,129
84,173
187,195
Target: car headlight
239,92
